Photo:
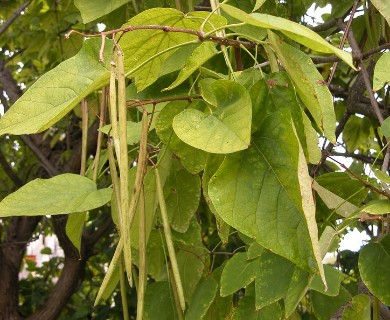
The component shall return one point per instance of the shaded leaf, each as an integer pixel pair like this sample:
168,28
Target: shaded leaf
74,228
360,308
182,194
325,307
58,91
385,127
383,7
333,279
202,299
381,74
96,9
158,296
226,129
62,194
374,264
309,84
192,159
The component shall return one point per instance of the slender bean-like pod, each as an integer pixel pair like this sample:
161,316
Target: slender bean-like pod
113,110
123,163
179,312
100,134
125,308
84,135
168,239
115,181
110,272
142,256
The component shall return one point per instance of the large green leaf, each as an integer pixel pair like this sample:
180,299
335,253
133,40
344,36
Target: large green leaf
202,299
309,84
359,309
139,46
58,91
91,10
182,195
333,280
63,194
381,71
383,7
374,265
192,159
293,30
263,193
226,129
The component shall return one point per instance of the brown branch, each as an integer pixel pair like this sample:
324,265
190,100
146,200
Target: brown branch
201,35
14,16
380,218
9,172
361,157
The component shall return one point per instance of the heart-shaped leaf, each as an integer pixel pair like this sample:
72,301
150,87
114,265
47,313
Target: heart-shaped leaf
227,129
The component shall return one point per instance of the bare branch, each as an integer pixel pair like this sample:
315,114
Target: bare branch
14,16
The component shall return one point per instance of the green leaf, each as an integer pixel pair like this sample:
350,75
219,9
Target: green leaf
296,290
385,127
58,91
360,309
257,192
226,129
381,74
192,159
247,311
92,10
325,307
182,195
333,279
202,299
63,194
377,207
275,278
293,30
276,92
139,46
258,4
191,266
238,273
74,228
357,133
200,55
213,163
159,302
382,176
374,265
309,84
383,7
334,202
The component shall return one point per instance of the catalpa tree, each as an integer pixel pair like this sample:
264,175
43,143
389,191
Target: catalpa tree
191,158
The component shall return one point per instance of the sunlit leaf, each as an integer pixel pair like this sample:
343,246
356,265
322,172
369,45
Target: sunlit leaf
58,91
63,194
293,30
141,45
226,129
200,55
377,207
256,192
385,127
381,74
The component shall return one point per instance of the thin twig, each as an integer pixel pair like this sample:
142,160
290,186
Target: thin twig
14,16
201,35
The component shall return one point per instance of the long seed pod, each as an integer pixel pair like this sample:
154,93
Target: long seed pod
168,239
142,256
124,163
113,110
